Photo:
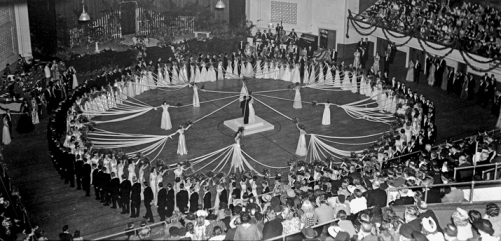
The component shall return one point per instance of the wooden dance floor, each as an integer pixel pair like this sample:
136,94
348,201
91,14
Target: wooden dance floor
51,204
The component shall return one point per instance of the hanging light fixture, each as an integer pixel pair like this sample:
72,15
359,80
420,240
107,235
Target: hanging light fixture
84,17
220,4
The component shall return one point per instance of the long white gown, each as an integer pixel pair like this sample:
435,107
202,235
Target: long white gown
337,79
326,118
165,122
5,132
196,100
181,145
236,159
154,187
252,113
301,149
297,98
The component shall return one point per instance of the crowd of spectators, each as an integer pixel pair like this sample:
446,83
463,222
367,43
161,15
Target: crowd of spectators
460,24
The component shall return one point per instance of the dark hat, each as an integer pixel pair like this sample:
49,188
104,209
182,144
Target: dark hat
182,232
417,236
309,232
190,216
406,230
484,225
211,217
342,236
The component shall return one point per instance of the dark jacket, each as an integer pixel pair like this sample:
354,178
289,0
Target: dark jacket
148,195
376,197
135,194
125,188
162,197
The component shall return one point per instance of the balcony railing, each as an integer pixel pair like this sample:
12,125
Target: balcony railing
495,169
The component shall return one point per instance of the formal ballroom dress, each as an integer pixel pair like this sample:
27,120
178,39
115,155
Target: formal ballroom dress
196,100
153,185
295,74
326,118
229,71
5,132
252,113
354,82
346,81
165,122
431,76
410,72
301,149
297,98
328,76
181,145
337,79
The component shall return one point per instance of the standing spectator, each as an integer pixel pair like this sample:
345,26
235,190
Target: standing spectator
273,227
376,196
65,235
324,212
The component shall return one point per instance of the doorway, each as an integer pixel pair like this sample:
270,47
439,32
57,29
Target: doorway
327,39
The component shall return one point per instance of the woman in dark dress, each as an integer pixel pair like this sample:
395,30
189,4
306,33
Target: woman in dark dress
25,124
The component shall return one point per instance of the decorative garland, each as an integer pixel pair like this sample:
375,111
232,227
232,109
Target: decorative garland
453,46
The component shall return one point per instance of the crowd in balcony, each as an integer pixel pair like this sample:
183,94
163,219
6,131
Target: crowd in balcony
460,24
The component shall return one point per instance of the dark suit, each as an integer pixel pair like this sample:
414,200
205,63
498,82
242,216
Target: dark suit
433,196
78,173
148,198
223,199
86,172
376,197
65,237
125,188
464,175
161,203
135,199
96,178
170,203
114,191
207,201
194,202
105,188
182,200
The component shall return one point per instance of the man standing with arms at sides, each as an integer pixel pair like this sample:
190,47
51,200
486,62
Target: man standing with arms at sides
125,188
114,190
161,203
148,201
417,70
170,201
135,198
86,174
96,178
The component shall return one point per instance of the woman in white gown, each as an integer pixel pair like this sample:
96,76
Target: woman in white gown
252,112
131,169
301,149
220,71
321,76
259,71
297,97
296,76
5,132
276,70
196,100
266,70
328,75
204,76
236,159
198,77
287,73
181,145
337,79
326,118
141,178
165,123
346,81
73,73
212,73
153,184
229,71
354,87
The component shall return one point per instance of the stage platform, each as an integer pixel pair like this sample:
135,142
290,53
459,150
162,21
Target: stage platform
257,126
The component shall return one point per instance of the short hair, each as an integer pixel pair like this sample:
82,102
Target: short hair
65,228
342,215
217,231
474,215
245,217
161,184
181,186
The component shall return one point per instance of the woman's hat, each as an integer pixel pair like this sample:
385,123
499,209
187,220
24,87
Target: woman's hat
451,230
309,232
342,236
266,197
190,216
211,217
201,213
291,193
406,230
484,225
429,224
334,230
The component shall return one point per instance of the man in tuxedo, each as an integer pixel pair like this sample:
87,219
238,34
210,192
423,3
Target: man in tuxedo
114,190
86,172
105,187
135,198
244,105
417,70
450,80
170,201
193,200
404,199
223,198
207,198
148,202
78,172
125,188
182,199
96,180
161,203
